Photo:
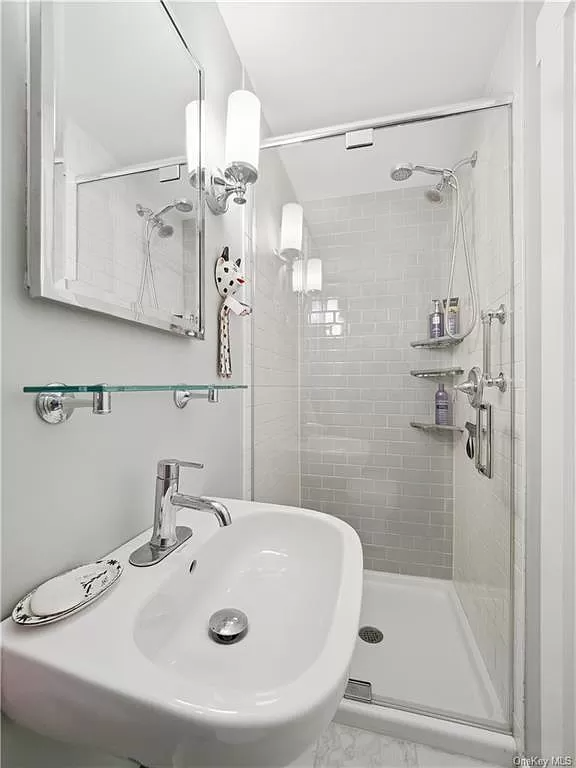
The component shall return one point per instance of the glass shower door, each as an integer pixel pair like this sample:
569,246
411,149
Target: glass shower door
436,533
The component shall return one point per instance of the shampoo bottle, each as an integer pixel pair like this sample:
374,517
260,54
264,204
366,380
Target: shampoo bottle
452,316
442,406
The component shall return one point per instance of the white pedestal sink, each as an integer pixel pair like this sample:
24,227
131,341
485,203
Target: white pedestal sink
137,674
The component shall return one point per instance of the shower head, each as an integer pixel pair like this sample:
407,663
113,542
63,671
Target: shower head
143,212
165,230
402,172
434,194
183,205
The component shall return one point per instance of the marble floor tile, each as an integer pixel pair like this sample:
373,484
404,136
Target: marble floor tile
343,747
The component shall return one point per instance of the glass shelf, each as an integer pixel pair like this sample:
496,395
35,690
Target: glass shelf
443,341
55,403
64,388
436,373
435,427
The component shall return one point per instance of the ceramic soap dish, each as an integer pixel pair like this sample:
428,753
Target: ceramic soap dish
66,594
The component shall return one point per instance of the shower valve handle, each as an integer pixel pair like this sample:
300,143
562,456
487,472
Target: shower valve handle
473,387
467,387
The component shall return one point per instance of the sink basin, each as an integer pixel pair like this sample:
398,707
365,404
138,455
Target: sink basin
138,673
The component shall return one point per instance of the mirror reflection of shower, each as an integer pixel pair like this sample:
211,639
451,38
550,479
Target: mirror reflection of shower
154,223
436,194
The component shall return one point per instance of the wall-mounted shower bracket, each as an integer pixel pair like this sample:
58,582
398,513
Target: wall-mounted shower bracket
496,381
183,396
484,439
471,439
495,314
58,407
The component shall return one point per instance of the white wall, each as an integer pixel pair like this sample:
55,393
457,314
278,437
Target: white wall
74,492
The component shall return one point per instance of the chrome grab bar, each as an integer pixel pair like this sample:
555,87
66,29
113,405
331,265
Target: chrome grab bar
487,379
484,447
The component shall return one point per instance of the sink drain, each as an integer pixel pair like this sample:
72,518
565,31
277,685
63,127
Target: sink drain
370,635
228,626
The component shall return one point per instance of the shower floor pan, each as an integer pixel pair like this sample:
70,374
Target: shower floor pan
426,662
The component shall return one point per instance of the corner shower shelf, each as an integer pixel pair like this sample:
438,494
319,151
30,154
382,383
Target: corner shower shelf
55,403
435,427
437,373
440,343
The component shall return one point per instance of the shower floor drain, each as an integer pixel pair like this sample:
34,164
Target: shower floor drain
370,635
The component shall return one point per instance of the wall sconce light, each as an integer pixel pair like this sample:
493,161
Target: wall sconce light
307,276
313,276
291,231
306,273
241,152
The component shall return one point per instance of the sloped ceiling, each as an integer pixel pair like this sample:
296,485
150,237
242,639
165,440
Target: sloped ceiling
315,64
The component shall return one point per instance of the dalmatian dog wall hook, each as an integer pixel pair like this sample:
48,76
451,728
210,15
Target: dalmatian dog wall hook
229,279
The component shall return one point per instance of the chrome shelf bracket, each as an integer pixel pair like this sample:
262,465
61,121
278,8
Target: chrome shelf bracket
58,407
183,396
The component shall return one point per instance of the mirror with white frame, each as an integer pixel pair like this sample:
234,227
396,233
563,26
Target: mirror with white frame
114,224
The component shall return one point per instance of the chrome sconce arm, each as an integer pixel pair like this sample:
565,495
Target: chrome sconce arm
57,407
230,184
219,186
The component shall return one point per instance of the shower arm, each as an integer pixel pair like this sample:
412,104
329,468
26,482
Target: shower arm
433,170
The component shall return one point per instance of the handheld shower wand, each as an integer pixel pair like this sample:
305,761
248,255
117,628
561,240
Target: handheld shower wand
155,222
449,180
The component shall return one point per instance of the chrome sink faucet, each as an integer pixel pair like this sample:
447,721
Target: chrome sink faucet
166,535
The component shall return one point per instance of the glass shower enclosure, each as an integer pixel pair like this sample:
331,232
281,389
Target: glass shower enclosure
370,406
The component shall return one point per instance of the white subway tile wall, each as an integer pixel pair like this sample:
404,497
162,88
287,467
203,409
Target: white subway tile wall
482,506
385,258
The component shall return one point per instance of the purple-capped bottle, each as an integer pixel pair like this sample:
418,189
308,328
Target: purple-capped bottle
436,321
442,406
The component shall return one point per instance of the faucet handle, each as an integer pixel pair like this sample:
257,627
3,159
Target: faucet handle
169,468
